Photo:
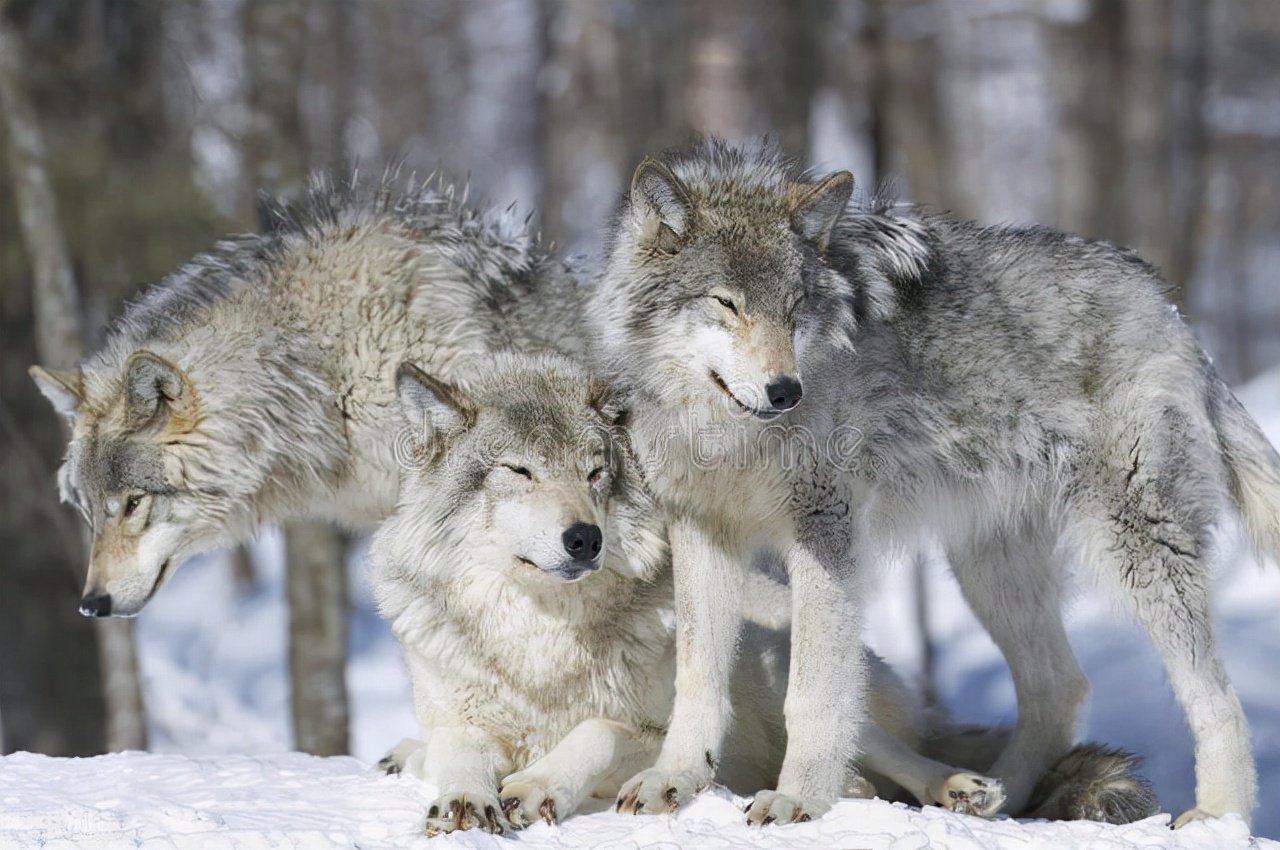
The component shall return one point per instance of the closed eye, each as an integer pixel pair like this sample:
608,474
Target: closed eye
131,504
522,471
595,474
727,304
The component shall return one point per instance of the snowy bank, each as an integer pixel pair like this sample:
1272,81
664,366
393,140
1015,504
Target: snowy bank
168,802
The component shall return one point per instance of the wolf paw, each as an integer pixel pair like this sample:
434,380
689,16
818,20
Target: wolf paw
774,807
969,794
1191,816
655,791
526,799
400,758
453,812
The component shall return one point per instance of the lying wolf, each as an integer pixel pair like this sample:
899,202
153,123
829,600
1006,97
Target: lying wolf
527,577
1026,398
256,383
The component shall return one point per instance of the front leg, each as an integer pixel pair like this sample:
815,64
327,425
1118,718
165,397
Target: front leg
825,701
593,752
465,763
708,583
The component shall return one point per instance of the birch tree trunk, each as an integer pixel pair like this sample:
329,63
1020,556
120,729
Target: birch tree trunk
58,343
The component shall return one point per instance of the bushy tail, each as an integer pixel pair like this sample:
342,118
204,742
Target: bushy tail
1254,466
1091,782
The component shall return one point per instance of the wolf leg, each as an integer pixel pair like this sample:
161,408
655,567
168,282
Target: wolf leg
931,782
1151,536
1015,591
708,582
465,763
555,785
1175,613
825,698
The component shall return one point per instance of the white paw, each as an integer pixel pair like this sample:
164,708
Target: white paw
400,759
527,798
775,807
1191,816
655,791
968,794
452,812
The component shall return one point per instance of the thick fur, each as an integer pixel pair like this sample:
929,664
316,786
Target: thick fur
536,688
255,383
1024,397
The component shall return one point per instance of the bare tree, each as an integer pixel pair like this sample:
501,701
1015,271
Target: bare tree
59,344
315,560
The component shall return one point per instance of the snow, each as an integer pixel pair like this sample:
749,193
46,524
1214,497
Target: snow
213,659
165,802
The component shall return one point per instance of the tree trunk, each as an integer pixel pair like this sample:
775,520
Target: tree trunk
315,554
51,720
315,559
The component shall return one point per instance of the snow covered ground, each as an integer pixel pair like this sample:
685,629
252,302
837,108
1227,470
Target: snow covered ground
213,658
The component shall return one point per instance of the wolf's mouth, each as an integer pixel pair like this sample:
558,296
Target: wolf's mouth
161,578
569,573
724,388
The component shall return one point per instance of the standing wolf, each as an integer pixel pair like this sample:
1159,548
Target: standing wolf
526,574
848,386
256,383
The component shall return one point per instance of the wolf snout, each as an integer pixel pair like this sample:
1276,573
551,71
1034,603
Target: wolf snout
96,605
784,392
582,541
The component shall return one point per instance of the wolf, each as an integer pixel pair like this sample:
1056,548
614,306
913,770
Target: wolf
526,574
255,384
848,385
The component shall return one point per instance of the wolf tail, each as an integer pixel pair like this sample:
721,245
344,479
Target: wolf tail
1091,782
1254,467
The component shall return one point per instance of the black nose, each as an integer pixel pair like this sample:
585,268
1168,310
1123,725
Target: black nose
582,541
96,605
784,393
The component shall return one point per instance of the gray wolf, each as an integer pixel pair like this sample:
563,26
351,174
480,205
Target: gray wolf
847,386
526,573
256,383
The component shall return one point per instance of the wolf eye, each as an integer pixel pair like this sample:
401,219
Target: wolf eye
522,471
727,304
596,474
131,504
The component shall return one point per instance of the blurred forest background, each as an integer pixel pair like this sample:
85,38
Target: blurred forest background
136,132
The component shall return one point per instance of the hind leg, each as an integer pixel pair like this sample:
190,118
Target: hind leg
1170,597
1015,590
1152,542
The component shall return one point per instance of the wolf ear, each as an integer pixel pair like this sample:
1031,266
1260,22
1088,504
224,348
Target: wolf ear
158,395
661,206
814,213
65,390
431,402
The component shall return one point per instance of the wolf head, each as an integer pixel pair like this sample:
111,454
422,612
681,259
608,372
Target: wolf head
120,475
525,468
161,469
717,276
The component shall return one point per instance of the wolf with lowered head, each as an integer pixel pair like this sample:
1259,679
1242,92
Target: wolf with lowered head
256,383
851,386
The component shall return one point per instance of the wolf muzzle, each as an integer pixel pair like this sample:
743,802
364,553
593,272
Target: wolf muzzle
583,541
96,605
784,393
